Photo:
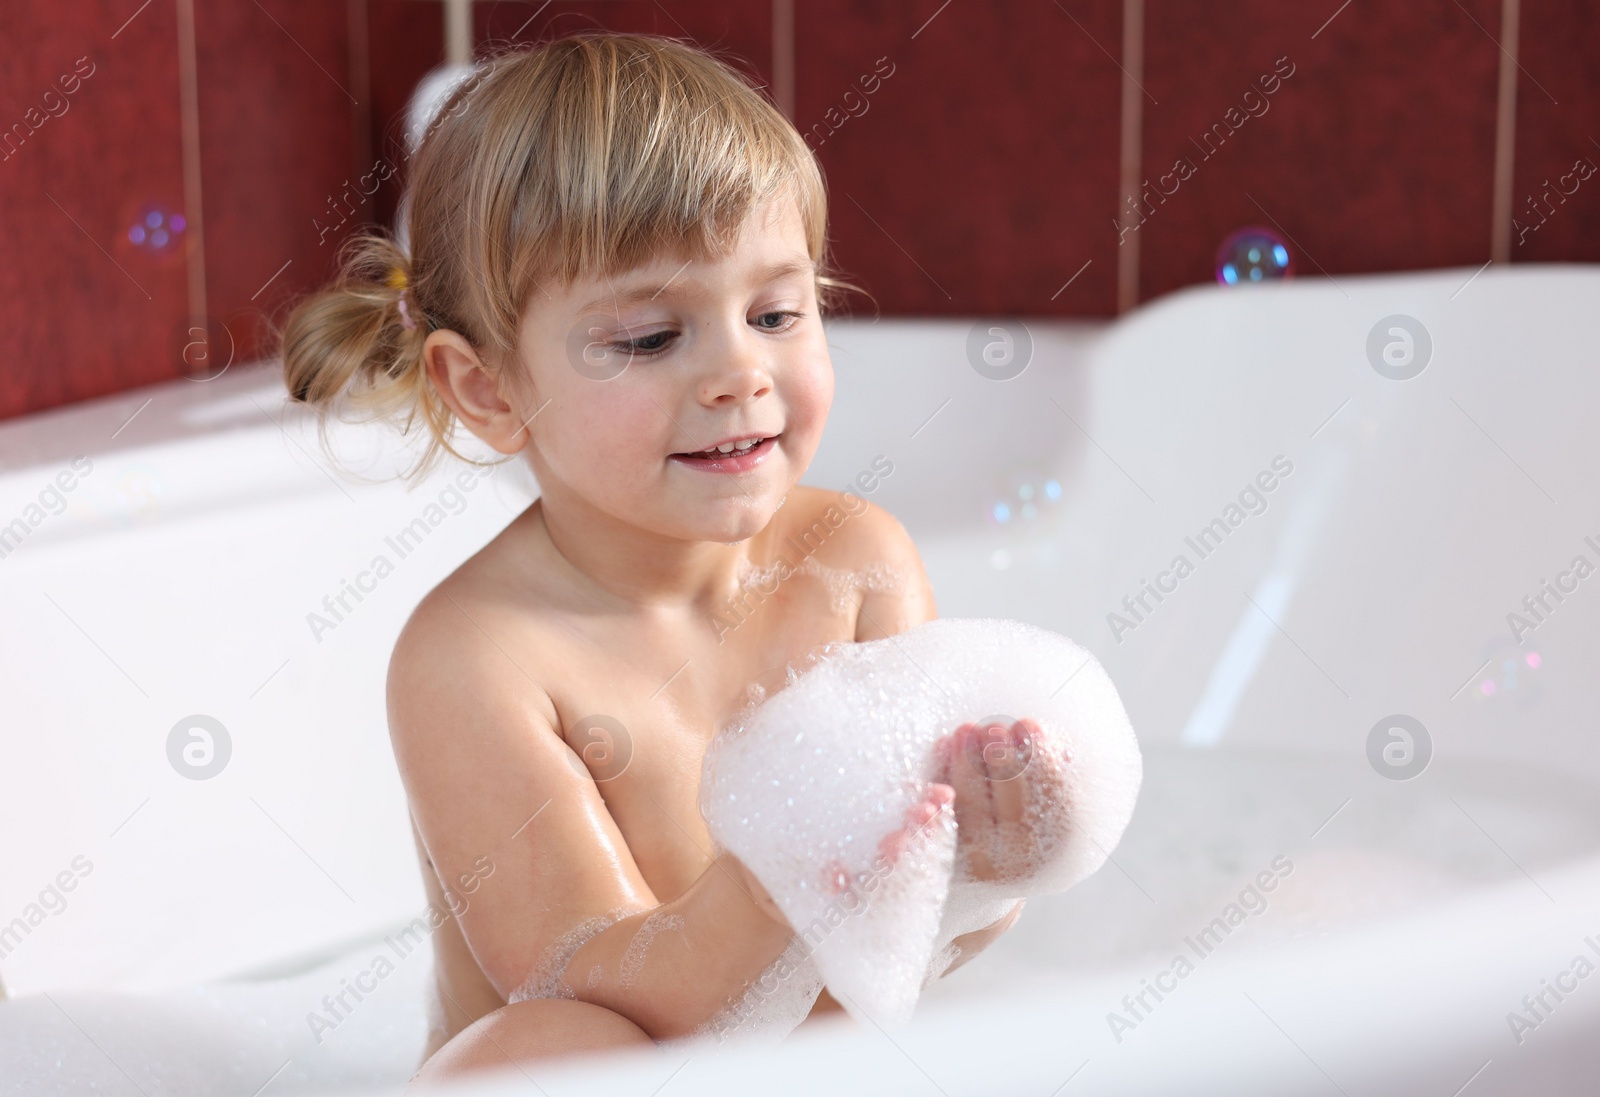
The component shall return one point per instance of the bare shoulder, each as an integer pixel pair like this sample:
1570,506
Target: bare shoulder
476,628
477,740
841,531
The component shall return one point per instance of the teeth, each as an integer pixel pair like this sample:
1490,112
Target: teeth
734,447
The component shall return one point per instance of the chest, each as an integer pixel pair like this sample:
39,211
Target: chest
641,709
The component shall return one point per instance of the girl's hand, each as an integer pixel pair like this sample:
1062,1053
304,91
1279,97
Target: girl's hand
1010,798
925,813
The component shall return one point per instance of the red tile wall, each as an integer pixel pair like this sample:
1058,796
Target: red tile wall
1376,154
1558,123
277,129
980,176
85,312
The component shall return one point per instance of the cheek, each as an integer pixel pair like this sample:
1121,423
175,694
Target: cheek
810,396
596,425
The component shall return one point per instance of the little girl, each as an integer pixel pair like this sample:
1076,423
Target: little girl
616,270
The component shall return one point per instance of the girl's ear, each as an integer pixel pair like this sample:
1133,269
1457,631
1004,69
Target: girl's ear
472,391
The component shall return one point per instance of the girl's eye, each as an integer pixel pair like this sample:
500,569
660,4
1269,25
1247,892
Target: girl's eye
647,344
777,320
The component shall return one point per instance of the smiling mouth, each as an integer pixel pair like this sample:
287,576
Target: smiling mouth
730,456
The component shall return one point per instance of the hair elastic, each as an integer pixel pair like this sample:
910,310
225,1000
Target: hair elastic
397,280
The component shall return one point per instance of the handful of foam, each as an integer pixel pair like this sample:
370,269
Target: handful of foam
804,785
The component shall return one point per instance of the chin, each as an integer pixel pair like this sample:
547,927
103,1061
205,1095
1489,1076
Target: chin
733,521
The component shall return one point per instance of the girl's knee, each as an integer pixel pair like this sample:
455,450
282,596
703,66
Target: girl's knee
540,1028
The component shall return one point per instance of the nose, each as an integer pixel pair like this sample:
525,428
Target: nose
737,375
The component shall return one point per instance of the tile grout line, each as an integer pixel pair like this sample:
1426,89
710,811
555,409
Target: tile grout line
1131,152
189,109
1505,134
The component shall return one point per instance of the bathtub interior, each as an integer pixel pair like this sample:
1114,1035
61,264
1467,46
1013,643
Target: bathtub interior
1375,578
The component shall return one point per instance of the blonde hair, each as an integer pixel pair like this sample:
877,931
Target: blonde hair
582,157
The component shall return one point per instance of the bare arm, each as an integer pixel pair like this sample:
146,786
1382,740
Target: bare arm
499,798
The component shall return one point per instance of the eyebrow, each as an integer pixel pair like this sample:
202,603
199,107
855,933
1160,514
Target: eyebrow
649,292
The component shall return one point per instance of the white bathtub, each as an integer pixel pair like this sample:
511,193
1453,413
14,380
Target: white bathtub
1407,918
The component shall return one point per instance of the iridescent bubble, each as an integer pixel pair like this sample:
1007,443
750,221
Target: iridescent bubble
1509,674
137,492
1254,254
1022,495
156,231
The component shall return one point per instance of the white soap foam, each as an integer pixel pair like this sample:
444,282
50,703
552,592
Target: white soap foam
771,1007
844,586
639,945
546,980
808,782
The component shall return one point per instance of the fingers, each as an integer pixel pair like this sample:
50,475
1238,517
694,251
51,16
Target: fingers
937,798
969,778
1005,755
945,749
1011,793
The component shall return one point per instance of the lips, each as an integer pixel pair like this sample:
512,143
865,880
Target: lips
732,455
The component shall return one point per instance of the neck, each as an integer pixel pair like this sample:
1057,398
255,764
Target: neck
638,566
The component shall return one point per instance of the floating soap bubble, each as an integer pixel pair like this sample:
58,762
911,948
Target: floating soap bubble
1254,254
138,493
1021,496
1511,676
157,231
